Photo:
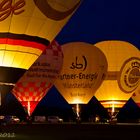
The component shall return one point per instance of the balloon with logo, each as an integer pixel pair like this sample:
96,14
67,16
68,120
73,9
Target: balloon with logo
123,76
83,70
36,82
26,29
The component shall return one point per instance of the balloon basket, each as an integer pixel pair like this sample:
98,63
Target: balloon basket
113,114
77,109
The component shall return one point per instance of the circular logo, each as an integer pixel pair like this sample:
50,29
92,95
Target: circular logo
130,75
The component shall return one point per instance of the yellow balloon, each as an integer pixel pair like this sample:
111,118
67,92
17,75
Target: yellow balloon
26,29
83,70
123,75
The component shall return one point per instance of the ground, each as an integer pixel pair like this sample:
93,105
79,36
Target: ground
70,131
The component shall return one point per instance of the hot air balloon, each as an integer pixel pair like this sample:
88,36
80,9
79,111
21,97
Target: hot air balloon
83,70
36,82
136,96
123,76
26,28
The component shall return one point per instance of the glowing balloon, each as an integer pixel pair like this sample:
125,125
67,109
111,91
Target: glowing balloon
123,76
35,83
83,70
26,28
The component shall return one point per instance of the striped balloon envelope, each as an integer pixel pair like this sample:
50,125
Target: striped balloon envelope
36,82
26,29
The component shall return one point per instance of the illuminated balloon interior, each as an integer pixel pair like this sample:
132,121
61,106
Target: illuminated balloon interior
122,78
83,70
37,81
26,29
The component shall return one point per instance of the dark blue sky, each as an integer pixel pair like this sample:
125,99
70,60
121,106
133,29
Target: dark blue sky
98,20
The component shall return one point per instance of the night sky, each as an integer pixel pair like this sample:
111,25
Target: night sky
99,20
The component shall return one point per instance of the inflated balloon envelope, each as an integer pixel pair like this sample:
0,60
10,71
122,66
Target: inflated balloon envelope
123,76
83,70
26,28
36,82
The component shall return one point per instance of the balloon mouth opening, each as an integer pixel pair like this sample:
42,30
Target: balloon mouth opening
113,106
29,106
113,103
113,112
77,110
9,75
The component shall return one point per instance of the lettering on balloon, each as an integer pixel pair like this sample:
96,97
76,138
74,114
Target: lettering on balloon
77,94
80,76
130,75
76,65
42,70
42,64
88,80
7,8
78,85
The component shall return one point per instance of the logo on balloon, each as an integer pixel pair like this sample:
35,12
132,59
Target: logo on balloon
130,75
76,65
7,8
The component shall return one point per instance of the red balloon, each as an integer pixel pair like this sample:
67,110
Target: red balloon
37,81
